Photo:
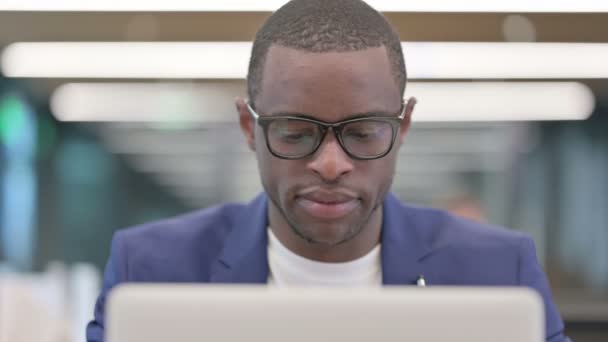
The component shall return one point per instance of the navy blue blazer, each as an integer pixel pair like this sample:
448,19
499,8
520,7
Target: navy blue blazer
228,244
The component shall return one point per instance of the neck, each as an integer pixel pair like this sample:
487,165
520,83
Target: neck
358,246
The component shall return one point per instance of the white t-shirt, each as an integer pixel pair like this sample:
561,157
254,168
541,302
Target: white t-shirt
289,269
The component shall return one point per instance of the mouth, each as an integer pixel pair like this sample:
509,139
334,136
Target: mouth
324,204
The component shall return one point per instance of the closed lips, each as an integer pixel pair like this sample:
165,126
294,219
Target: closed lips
327,205
325,197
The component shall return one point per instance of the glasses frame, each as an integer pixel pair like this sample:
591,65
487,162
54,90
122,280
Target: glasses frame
394,121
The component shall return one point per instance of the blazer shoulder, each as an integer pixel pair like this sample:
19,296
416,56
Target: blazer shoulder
441,229
210,222
468,252
178,248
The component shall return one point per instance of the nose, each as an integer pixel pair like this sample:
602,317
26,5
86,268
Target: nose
330,161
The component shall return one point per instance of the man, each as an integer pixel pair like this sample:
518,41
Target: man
325,118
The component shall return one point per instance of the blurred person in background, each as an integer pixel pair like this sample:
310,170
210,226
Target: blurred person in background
325,118
465,206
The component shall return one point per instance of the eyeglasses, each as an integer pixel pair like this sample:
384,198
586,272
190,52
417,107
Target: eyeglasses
296,137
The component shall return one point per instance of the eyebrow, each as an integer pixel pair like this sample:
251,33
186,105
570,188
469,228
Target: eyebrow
376,113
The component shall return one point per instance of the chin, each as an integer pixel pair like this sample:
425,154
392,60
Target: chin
327,234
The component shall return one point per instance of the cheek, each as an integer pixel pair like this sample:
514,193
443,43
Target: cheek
378,175
275,171
276,174
259,141
391,163
264,158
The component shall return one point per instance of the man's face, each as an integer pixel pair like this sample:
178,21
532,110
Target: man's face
326,197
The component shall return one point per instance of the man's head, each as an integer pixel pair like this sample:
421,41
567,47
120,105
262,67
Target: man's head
325,26
328,61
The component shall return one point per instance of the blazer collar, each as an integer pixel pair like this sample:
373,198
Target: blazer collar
403,244
244,257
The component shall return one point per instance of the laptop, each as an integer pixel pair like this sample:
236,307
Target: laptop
195,313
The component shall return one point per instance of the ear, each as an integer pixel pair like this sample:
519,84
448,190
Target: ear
407,118
246,121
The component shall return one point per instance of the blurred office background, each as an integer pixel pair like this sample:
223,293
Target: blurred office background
113,115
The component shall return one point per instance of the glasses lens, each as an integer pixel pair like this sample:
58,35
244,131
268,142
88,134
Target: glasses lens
367,138
292,137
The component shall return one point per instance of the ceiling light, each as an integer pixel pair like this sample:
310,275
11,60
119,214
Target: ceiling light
437,101
229,60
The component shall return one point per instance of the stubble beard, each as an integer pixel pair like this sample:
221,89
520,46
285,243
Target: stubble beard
351,233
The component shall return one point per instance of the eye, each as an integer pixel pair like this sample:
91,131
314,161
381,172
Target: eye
293,131
295,136
359,134
364,131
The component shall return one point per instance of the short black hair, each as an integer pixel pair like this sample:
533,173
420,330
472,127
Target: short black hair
325,26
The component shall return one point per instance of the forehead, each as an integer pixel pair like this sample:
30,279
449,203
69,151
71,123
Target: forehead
327,85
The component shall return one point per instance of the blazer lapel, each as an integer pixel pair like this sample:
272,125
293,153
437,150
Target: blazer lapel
403,245
244,257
